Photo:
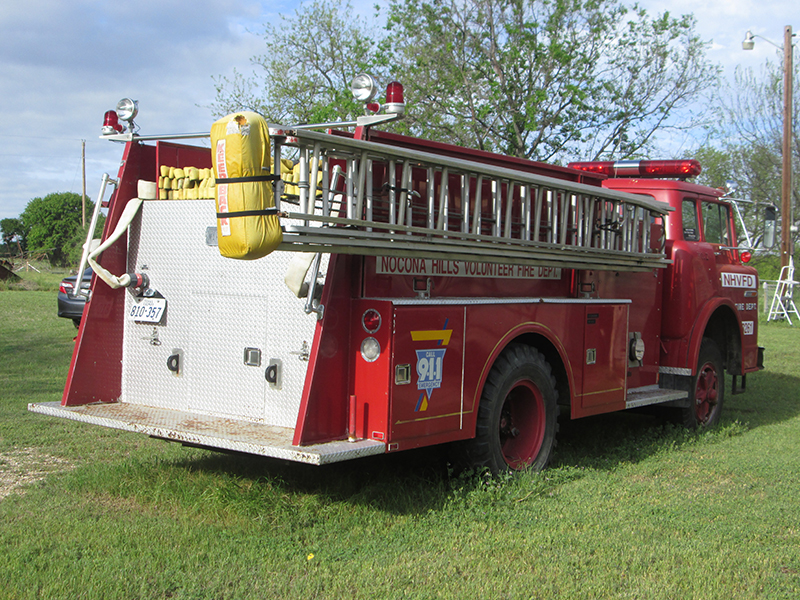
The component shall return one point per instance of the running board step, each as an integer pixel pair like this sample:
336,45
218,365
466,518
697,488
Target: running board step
652,394
210,431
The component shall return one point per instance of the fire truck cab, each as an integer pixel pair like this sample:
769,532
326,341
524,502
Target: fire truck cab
420,293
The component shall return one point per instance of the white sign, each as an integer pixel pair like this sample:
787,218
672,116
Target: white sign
738,280
394,265
747,327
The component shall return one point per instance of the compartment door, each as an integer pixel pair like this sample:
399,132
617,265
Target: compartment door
427,379
605,358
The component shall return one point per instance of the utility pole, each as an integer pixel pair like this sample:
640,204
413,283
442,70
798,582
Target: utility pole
787,218
83,191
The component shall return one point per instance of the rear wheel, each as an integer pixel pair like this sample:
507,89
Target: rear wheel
518,414
708,388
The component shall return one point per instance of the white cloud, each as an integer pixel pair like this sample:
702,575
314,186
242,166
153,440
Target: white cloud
63,64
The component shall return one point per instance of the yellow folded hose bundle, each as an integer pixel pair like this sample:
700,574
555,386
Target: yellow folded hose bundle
247,220
188,183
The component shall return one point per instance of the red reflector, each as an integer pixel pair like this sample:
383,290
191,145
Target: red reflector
745,256
371,320
641,168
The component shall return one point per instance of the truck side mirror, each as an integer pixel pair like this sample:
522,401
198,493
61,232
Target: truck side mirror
770,219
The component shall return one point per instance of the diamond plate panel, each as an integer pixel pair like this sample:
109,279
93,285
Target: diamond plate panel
216,307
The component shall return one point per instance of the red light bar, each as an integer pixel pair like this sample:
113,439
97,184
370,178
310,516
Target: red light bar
682,169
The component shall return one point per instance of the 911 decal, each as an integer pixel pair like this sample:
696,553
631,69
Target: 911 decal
430,363
429,368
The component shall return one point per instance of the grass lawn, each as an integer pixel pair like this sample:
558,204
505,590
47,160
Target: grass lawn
631,508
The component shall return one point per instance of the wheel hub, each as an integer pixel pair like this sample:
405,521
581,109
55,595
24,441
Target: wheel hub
524,407
706,393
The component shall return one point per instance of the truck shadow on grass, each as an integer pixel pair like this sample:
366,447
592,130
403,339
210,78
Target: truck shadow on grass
607,441
418,481
412,482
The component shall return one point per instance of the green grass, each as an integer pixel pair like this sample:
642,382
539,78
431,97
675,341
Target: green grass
631,508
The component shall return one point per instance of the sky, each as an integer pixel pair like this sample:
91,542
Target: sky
64,63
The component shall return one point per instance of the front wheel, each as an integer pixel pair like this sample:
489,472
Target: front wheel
708,388
518,414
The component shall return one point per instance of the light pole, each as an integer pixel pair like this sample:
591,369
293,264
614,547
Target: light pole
786,171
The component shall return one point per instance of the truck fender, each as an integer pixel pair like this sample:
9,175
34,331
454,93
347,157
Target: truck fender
543,339
701,326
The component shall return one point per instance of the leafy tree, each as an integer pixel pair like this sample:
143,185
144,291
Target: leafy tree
305,74
548,79
52,226
752,129
13,234
542,79
746,145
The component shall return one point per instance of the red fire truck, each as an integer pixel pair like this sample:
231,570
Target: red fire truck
420,293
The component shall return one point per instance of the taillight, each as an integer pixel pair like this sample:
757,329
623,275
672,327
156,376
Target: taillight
370,347
65,287
371,320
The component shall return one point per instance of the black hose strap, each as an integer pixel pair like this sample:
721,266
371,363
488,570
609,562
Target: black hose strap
248,213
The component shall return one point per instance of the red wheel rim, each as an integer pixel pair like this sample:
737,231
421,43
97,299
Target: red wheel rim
706,392
522,424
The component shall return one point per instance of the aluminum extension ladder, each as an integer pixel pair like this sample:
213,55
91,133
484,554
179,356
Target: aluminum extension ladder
368,198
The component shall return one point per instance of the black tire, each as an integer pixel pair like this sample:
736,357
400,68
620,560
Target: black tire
76,322
708,388
518,414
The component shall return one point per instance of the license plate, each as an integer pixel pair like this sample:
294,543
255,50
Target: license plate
148,310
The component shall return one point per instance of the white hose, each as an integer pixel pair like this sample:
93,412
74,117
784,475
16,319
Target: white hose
122,226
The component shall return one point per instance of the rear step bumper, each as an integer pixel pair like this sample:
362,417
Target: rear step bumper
210,431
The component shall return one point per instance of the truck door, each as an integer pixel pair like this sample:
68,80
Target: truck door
733,280
700,252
